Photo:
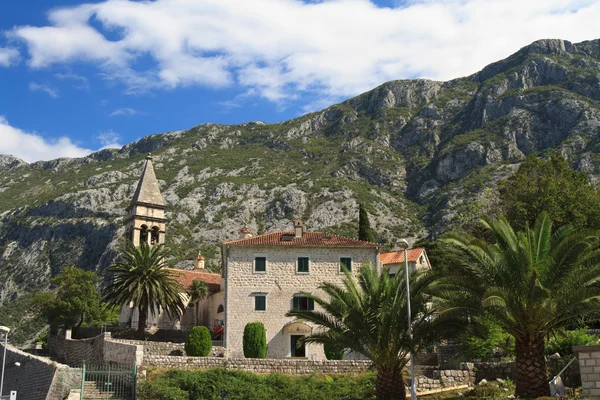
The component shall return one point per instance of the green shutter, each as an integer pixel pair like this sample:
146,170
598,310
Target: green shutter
303,264
311,304
347,263
260,303
260,264
296,303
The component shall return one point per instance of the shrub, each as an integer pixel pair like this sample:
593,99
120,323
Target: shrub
563,342
255,340
486,392
198,342
484,340
333,351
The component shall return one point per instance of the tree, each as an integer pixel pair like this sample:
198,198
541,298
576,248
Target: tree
334,351
531,283
552,186
255,340
368,315
199,342
142,279
75,302
198,291
364,226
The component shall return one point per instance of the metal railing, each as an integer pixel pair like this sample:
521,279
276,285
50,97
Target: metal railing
110,381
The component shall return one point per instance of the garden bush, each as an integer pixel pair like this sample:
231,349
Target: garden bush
255,340
488,391
484,340
333,351
237,385
563,342
198,342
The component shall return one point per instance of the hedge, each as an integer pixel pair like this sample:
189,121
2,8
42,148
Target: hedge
198,342
255,340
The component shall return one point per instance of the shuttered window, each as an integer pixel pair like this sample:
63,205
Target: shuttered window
303,264
260,264
303,303
260,302
345,262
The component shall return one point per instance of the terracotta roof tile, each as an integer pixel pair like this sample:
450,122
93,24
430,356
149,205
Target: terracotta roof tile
308,239
185,278
396,257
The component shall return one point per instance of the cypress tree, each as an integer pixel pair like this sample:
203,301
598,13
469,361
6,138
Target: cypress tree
364,226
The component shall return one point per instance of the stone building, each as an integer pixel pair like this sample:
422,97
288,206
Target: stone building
394,261
147,223
264,276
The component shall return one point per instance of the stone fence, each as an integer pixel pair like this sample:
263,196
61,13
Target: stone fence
98,350
37,378
267,365
589,365
491,371
447,379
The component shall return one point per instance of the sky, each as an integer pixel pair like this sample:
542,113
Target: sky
78,76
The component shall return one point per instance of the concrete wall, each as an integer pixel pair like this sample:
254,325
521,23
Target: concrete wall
589,366
37,378
280,282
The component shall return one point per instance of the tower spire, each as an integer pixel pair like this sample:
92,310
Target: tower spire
147,222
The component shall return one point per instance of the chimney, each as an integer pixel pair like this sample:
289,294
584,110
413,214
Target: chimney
199,263
298,228
246,233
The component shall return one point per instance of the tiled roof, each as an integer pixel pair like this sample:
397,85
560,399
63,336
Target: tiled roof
396,257
315,239
185,277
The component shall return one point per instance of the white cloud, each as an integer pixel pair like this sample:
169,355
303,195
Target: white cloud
30,146
38,87
8,56
279,49
79,82
124,112
109,139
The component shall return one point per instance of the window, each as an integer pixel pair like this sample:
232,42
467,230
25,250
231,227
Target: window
345,262
303,303
220,309
260,264
260,302
303,264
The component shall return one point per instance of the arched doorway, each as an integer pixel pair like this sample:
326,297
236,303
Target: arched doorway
294,331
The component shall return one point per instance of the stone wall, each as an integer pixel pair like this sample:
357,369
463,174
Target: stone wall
98,350
37,378
447,379
284,366
589,366
167,348
491,371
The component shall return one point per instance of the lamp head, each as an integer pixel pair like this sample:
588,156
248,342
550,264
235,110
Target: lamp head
402,244
4,329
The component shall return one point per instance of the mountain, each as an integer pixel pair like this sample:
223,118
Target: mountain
421,155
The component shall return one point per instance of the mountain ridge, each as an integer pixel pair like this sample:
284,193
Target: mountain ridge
423,156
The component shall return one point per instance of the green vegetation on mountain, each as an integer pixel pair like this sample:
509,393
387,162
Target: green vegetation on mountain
423,157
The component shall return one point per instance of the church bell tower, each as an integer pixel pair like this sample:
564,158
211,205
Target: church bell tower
146,221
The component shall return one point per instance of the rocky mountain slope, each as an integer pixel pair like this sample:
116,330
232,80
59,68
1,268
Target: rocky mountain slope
421,155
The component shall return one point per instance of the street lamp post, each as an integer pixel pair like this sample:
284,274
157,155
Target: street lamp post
403,244
5,330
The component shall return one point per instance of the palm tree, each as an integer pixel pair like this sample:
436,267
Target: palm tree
198,291
532,283
368,315
141,278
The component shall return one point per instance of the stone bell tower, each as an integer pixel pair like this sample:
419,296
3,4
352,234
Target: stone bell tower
146,221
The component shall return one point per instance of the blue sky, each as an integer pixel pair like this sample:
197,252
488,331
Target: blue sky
79,76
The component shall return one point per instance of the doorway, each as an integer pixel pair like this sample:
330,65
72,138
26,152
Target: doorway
297,351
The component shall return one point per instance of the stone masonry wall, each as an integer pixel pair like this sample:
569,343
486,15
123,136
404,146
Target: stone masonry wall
268,365
167,348
589,366
446,379
491,371
97,350
280,283
37,378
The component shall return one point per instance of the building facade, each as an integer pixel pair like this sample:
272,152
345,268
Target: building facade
265,276
417,261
